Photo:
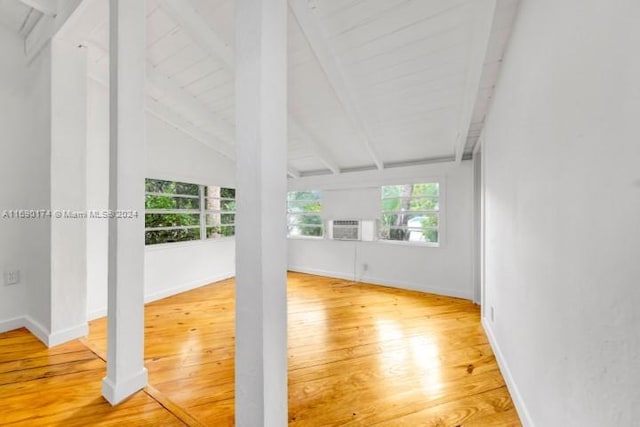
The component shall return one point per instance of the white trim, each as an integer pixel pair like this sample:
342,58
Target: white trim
186,287
116,393
48,8
97,314
187,243
416,244
307,237
481,29
518,401
335,76
40,332
69,334
412,286
37,329
11,324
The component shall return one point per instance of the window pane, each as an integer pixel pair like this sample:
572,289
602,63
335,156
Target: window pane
220,231
410,204
212,191
424,204
170,220
214,219
169,236
306,230
219,192
303,195
171,187
220,205
409,234
228,205
426,189
410,220
397,191
228,193
305,219
171,202
305,206
411,190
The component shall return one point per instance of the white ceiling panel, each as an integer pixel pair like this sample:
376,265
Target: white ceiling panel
370,81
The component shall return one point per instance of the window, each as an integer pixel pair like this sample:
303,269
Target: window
220,211
411,212
179,212
304,214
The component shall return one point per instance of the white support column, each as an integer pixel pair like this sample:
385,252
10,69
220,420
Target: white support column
261,287
126,373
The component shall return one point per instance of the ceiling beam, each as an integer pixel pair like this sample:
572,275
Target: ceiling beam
46,7
167,115
483,23
293,172
172,118
204,36
329,64
317,148
199,110
38,37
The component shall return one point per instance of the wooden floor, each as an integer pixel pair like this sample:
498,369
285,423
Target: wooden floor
359,355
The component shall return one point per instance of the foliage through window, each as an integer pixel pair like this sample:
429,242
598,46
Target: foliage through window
179,212
304,214
411,212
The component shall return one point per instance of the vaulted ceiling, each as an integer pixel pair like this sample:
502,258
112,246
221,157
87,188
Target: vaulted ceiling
372,83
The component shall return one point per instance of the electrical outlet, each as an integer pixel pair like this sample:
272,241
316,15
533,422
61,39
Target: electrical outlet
492,314
12,277
365,267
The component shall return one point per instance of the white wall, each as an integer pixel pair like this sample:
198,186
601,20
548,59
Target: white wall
68,190
177,267
562,171
171,155
444,270
19,183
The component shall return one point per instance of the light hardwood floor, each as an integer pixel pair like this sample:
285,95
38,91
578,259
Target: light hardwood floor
359,355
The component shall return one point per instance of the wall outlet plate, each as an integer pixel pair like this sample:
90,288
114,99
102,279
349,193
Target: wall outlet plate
11,277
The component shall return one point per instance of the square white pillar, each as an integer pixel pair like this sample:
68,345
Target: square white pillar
261,264
126,373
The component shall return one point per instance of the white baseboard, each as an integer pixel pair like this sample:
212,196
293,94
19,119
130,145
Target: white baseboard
117,392
519,403
49,339
186,287
37,329
96,314
11,324
65,335
413,286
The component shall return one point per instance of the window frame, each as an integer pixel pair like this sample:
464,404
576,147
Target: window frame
202,212
440,213
290,214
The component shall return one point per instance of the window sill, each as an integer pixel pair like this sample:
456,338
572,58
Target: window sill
413,244
384,242
176,245
306,237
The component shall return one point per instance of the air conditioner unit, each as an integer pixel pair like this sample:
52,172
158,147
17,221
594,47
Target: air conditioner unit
352,229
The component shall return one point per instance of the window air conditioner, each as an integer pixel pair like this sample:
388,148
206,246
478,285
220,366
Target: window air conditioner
352,229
